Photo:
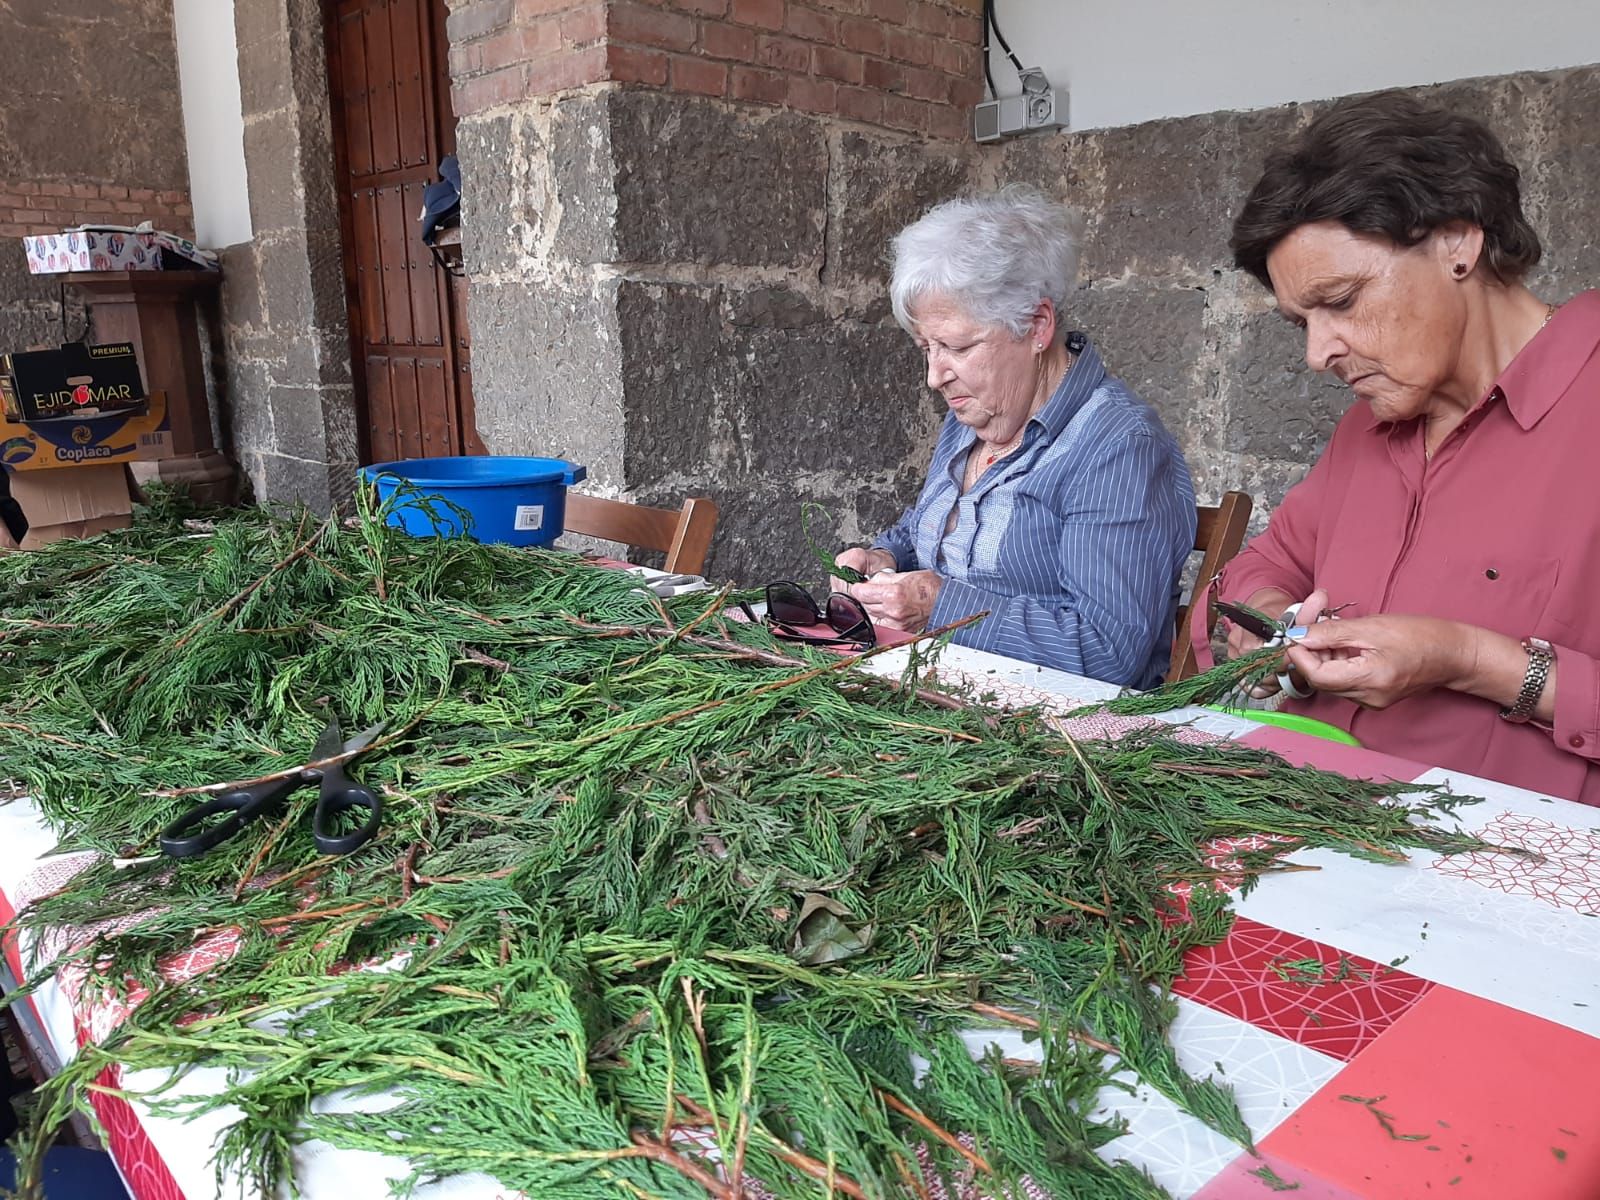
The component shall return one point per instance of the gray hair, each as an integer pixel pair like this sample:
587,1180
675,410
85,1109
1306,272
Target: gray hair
996,256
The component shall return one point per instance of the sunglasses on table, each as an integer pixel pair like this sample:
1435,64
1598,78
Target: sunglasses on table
791,610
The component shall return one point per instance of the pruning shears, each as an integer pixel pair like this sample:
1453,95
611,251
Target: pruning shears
1271,633
219,818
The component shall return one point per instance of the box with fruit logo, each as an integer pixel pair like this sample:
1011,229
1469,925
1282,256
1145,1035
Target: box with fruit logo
121,438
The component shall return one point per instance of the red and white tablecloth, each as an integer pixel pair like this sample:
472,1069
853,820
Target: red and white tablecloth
1467,1069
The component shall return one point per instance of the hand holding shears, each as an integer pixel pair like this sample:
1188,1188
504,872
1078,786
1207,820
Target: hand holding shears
1262,630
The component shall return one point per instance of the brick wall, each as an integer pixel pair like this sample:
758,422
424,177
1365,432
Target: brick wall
83,140
502,51
28,207
911,65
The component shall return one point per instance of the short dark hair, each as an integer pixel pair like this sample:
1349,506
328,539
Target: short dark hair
1390,165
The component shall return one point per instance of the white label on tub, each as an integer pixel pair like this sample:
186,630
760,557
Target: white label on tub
529,516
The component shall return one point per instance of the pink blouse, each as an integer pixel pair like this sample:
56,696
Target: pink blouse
1500,530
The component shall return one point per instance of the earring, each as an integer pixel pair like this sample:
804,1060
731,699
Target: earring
1459,270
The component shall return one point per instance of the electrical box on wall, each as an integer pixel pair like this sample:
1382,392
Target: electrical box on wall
1039,107
995,119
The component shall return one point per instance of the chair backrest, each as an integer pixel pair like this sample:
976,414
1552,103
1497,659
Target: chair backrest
1219,532
684,534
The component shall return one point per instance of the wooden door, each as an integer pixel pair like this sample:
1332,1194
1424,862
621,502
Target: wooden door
389,82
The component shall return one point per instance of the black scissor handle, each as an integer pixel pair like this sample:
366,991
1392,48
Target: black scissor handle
341,795
197,830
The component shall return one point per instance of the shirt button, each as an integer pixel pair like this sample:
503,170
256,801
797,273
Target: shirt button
1491,574
1576,741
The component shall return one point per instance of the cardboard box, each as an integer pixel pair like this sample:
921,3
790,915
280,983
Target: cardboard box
124,438
92,250
73,383
72,504
112,249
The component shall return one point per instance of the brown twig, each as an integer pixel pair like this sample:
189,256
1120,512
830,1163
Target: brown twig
502,873
485,660
816,1170
1024,828
1238,872
647,1147
342,757
1380,851
408,868
696,1006
1080,906
1203,769
249,589
318,914
910,1178
60,741
949,733
1024,1022
949,1139
771,658
272,840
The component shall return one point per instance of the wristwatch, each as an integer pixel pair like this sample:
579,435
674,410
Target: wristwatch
1541,657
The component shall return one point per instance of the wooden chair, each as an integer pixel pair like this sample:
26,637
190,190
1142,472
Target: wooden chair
683,534
1218,533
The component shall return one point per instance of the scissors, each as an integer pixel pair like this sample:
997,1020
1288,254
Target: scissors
1268,630
1271,634
196,831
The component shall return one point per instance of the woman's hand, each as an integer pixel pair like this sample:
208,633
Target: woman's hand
859,558
1269,602
1378,661
1273,602
904,601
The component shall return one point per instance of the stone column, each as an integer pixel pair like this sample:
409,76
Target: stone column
286,335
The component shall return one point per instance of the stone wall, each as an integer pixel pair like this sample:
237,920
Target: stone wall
287,395
676,280
90,130
692,296
686,295
1200,340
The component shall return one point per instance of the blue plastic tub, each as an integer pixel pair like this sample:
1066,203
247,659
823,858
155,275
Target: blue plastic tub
518,501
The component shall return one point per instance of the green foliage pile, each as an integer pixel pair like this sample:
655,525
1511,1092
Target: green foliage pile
641,870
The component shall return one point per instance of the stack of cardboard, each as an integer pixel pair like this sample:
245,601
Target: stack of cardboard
67,438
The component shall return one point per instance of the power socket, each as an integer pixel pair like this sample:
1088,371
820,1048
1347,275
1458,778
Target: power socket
1046,110
1039,107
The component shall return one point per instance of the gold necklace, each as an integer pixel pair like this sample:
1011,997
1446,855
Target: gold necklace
1005,448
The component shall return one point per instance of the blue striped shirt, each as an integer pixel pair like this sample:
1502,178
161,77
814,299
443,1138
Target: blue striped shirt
1074,544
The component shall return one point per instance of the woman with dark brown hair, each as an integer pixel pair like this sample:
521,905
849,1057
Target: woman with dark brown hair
1454,520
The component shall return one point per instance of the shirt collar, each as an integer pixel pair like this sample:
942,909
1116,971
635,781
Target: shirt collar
1545,368
1079,383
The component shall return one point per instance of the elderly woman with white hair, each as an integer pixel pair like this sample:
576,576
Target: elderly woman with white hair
1056,501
